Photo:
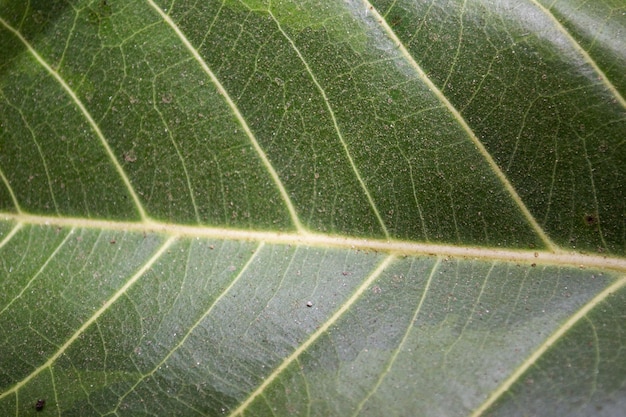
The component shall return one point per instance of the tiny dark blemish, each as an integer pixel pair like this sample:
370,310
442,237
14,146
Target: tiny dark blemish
39,405
590,219
113,241
533,265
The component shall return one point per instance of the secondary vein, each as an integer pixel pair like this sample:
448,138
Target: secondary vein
335,125
322,330
86,114
470,133
538,353
244,125
105,307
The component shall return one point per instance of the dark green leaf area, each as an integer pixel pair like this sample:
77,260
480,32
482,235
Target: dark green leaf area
534,99
174,136
309,100
583,374
427,178
288,116
51,155
43,303
419,337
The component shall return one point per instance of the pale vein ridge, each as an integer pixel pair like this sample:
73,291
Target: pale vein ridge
455,60
106,306
323,329
244,125
605,80
16,228
193,326
39,271
335,125
538,353
5,180
461,121
395,354
86,114
180,156
576,259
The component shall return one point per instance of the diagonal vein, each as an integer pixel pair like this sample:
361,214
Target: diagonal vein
16,228
461,121
39,271
559,26
335,124
44,163
538,353
106,306
244,125
86,114
7,184
323,329
402,343
195,325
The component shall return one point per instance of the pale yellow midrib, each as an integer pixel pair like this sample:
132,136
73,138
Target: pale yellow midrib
392,246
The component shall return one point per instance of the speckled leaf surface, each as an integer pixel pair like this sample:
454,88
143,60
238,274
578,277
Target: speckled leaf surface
313,208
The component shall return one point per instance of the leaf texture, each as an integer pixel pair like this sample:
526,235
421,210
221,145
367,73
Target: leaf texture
313,207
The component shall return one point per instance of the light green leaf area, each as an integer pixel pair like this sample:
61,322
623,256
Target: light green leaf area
313,208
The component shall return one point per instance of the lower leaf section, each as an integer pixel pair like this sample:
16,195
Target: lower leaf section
101,322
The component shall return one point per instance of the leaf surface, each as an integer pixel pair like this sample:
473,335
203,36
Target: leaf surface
313,208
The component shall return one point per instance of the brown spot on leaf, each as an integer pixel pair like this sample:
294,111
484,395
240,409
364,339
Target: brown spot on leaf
590,219
39,405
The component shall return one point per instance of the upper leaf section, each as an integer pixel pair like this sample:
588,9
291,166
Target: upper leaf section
470,122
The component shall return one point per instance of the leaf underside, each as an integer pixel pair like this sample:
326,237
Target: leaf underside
313,207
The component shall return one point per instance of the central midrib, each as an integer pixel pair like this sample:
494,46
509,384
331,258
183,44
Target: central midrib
392,246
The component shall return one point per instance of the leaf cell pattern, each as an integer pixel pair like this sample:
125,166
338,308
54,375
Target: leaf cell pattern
312,207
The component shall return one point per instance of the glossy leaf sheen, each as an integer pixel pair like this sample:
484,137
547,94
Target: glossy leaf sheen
313,207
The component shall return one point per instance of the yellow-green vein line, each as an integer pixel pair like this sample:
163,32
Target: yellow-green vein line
178,154
244,125
455,60
596,204
468,318
461,121
86,114
331,112
16,228
322,330
39,271
532,359
107,305
196,324
575,259
559,26
13,198
41,155
395,354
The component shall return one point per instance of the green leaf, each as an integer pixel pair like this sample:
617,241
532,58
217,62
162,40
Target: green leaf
313,207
